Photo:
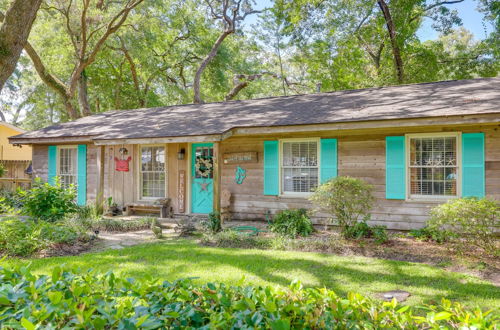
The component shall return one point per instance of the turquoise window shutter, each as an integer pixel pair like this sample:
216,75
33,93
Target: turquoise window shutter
329,158
473,173
395,167
52,165
271,168
81,198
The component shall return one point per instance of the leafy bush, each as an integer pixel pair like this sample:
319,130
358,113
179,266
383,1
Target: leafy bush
347,199
473,219
379,233
10,201
16,238
23,238
432,234
89,300
357,231
48,202
362,230
213,223
57,233
90,212
292,223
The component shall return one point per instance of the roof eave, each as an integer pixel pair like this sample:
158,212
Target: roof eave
48,140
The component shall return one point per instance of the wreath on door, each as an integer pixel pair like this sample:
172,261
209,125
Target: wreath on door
203,167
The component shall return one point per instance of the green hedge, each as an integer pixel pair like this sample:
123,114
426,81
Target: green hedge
89,300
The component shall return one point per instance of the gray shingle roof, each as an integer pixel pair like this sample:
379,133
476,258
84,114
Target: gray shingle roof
447,98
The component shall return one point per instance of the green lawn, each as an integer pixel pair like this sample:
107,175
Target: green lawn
174,259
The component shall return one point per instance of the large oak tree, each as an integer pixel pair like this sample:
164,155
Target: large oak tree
14,33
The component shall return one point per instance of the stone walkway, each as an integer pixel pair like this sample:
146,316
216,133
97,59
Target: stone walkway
118,240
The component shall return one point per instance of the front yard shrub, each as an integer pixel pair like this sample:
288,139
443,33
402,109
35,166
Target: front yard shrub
16,238
69,300
10,201
48,202
213,223
348,200
432,234
292,223
473,219
362,230
25,237
357,231
379,233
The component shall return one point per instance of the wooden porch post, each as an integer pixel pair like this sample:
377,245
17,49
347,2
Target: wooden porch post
217,176
100,175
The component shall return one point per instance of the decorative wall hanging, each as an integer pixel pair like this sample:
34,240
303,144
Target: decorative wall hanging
240,157
240,176
203,167
121,165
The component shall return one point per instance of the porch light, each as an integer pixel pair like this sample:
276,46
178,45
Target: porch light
181,154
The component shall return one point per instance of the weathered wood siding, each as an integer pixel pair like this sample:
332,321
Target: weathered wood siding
40,167
124,186
361,155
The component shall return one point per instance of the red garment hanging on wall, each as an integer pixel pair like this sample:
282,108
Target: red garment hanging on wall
121,165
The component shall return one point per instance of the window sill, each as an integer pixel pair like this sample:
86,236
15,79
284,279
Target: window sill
295,195
436,200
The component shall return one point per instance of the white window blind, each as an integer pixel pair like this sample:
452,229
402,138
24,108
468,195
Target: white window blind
433,166
67,167
299,166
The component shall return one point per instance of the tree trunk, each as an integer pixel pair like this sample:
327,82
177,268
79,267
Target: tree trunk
70,109
14,32
83,97
398,62
51,81
204,63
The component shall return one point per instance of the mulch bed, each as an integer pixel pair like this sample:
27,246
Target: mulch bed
61,250
474,261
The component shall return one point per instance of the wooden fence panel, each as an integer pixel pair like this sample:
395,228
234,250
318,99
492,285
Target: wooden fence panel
15,175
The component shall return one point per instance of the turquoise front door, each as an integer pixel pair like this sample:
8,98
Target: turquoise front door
202,186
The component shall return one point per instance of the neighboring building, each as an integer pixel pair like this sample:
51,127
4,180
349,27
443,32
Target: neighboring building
15,159
9,151
418,145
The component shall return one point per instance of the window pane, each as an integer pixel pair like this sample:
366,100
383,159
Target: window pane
299,166
433,166
204,163
153,171
67,167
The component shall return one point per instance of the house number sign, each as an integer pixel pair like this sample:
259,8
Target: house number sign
240,157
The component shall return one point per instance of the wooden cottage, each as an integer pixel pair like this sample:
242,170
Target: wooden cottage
418,145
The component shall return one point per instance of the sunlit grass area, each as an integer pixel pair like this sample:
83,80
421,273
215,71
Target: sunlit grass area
173,259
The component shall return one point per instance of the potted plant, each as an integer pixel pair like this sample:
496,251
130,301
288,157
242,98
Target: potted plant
112,207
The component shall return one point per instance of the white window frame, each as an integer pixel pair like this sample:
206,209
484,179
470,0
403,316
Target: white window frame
139,171
290,193
433,198
58,161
